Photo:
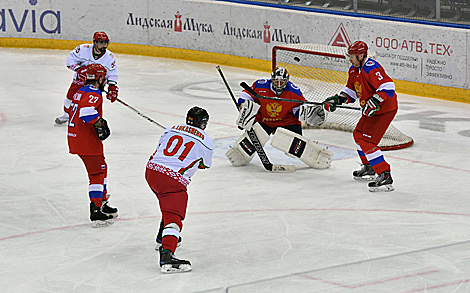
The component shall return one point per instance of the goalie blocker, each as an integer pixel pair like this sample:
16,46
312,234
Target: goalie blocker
297,146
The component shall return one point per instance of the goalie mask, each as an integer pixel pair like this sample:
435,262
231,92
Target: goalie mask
197,117
279,79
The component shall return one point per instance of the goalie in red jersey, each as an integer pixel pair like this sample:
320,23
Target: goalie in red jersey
375,90
86,130
280,117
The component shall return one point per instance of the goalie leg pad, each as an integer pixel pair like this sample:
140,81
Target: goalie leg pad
295,145
243,150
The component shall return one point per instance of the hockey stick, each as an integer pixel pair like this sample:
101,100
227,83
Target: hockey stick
140,114
255,141
255,94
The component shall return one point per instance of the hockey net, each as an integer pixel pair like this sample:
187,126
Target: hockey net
321,71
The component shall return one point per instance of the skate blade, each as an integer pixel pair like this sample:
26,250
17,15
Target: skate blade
169,269
102,224
365,178
60,122
383,188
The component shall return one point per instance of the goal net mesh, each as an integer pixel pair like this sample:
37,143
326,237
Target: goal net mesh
321,71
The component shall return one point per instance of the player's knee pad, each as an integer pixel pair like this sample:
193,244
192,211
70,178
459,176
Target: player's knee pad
243,150
303,148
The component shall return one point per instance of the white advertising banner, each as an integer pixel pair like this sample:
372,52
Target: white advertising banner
412,52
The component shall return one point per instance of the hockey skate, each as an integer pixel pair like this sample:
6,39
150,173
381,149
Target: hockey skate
366,173
106,209
170,264
383,182
62,119
98,218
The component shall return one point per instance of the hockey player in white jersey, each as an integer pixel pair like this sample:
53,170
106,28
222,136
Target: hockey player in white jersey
78,60
182,150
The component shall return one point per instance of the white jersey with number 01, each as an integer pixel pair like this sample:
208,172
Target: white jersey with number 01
83,56
184,149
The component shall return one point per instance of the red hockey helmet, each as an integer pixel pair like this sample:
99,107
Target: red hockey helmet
358,47
100,37
94,71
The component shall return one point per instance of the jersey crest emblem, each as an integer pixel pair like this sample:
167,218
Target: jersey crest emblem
273,109
369,63
358,88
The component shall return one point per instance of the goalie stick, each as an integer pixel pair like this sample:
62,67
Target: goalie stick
255,141
255,94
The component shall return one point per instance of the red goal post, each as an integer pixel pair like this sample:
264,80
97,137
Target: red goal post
321,71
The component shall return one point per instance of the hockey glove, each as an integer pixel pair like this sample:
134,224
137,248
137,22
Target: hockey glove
371,106
102,129
312,115
112,93
246,117
330,103
81,75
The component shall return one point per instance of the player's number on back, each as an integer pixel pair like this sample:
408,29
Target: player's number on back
171,150
74,111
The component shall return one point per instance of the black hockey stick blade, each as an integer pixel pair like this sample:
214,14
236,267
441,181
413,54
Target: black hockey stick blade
264,157
255,94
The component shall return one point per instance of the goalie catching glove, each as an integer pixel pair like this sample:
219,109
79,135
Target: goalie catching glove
112,93
102,129
337,100
312,115
246,117
372,105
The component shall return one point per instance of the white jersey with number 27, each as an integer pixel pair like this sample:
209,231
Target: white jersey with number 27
184,149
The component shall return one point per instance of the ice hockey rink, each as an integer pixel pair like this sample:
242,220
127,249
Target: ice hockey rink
247,230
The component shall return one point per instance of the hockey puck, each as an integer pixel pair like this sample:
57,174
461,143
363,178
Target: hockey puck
297,59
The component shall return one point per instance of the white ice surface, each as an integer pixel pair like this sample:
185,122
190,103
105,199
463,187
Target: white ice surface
247,230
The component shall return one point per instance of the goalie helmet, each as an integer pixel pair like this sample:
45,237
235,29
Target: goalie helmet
197,117
94,71
358,47
279,79
100,37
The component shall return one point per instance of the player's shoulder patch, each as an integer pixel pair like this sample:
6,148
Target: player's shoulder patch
370,65
292,88
262,83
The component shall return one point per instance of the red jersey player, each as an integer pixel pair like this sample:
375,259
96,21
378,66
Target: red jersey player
182,150
266,116
375,90
86,131
78,60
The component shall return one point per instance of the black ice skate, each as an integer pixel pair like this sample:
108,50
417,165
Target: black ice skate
383,182
170,264
366,173
106,209
160,236
98,218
